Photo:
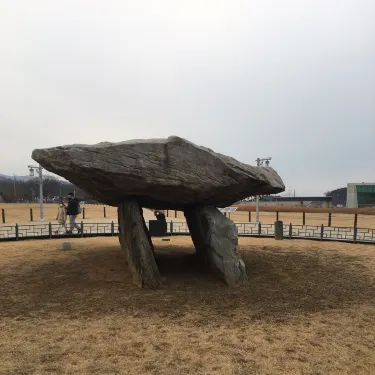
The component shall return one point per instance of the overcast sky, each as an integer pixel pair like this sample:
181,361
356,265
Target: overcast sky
294,80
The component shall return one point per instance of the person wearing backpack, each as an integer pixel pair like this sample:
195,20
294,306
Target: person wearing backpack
72,211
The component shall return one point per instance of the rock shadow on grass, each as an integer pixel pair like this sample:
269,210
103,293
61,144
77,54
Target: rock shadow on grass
97,283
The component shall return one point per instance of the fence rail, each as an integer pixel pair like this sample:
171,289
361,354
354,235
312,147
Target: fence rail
320,232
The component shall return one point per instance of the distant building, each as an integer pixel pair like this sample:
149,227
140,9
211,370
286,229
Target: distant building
360,195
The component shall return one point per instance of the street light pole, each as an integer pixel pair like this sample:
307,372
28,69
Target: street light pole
40,173
260,163
41,193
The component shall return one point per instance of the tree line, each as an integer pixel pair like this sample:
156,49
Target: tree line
28,190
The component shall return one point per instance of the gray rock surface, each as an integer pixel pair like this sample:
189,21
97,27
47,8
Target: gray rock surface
136,243
160,173
215,238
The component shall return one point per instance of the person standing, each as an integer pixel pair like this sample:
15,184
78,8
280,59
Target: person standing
72,211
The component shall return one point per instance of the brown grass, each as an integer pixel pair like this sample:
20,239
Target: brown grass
311,218
308,309
20,212
251,207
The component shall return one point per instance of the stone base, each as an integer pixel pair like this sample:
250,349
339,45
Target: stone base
215,238
136,242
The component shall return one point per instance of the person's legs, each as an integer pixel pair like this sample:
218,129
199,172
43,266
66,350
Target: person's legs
72,221
76,225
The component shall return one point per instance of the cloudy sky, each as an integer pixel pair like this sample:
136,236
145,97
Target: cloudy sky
292,79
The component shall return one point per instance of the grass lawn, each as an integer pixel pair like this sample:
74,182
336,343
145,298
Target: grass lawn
309,308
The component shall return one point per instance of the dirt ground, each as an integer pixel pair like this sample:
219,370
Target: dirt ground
309,308
20,213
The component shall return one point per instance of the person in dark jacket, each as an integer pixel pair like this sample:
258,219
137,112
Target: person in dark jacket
161,217
72,211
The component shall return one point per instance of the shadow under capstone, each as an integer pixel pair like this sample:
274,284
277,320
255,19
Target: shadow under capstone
97,282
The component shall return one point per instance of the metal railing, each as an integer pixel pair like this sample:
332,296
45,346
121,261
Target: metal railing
320,232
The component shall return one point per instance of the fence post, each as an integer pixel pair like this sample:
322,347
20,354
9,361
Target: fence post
171,227
31,215
277,215
17,236
3,215
304,218
259,229
322,232
104,211
355,227
330,219
112,228
290,230
249,216
50,230
81,228
175,214
83,213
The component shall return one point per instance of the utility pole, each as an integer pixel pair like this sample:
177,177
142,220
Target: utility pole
261,162
39,169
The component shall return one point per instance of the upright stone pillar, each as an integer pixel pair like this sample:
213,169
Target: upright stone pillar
215,238
279,230
136,242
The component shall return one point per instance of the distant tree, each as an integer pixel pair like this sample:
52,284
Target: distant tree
338,196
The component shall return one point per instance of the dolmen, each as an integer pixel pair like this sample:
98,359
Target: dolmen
163,174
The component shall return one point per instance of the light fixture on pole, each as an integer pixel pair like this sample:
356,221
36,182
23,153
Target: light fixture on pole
32,168
261,162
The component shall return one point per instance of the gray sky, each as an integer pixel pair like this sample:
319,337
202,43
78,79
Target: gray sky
294,80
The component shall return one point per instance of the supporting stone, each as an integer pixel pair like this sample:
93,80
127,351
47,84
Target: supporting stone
136,242
215,238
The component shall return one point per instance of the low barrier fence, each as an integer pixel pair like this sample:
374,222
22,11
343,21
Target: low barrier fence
320,232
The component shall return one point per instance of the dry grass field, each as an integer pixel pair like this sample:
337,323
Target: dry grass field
309,308
312,218
19,213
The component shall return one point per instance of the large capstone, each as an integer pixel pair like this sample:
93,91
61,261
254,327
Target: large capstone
215,239
168,173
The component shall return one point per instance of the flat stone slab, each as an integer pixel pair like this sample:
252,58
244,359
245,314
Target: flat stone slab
160,173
